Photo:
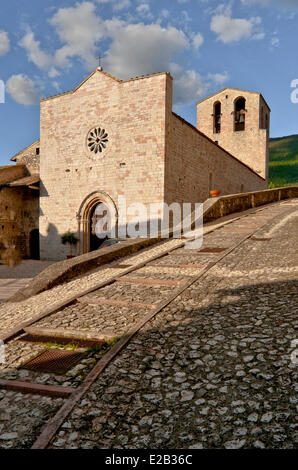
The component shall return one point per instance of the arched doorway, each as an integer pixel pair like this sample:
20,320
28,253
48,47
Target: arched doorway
96,209
34,244
239,114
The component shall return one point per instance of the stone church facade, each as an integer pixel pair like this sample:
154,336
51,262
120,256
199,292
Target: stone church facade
109,137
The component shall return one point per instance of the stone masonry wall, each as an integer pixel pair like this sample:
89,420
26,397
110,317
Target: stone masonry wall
195,165
19,213
30,157
249,146
132,165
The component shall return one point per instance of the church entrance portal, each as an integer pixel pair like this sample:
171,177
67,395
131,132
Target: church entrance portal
97,216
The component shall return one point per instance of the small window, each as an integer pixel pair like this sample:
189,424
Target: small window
37,150
217,118
239,114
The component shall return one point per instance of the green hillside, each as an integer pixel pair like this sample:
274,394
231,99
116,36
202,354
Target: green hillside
283,161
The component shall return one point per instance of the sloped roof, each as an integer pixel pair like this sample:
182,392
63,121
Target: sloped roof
13,159
26,181
236,89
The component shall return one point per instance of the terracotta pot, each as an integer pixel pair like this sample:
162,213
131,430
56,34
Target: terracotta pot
214,193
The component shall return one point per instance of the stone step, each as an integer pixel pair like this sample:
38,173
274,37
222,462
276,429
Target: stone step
118,303
68,334
153,282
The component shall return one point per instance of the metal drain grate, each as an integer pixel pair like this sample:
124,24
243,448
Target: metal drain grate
54,360
212,249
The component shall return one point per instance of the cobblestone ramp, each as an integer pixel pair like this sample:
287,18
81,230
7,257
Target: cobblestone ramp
191,376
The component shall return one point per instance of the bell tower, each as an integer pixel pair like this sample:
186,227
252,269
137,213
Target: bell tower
238,121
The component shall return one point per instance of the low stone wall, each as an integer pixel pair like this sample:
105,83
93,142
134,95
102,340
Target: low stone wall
63,271
213,208
226,205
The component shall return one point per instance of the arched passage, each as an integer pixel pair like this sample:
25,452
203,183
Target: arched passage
97,208
217,117
239,114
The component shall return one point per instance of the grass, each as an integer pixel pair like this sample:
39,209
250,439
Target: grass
283,161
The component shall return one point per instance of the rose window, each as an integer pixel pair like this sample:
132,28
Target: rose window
97,140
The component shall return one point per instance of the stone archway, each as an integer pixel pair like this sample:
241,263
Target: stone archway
85,217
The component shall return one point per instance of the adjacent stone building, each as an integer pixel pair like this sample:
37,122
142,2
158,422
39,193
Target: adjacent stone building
109,138
19,210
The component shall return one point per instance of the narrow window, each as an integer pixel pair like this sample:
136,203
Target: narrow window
239,114
37,151
217,118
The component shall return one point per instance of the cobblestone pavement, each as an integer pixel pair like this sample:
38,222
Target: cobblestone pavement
13,279
23,414
13,313
212,370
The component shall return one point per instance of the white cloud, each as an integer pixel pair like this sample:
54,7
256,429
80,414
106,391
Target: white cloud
235,29
117,4
22,89
197,41
40,58
134,49
121,5
218,78
4,43
139,49
165,13
275,41
79,29
188,86
144,10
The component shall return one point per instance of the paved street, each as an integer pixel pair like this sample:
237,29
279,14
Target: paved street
212,370
13,279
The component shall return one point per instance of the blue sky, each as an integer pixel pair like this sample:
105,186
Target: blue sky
50,46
